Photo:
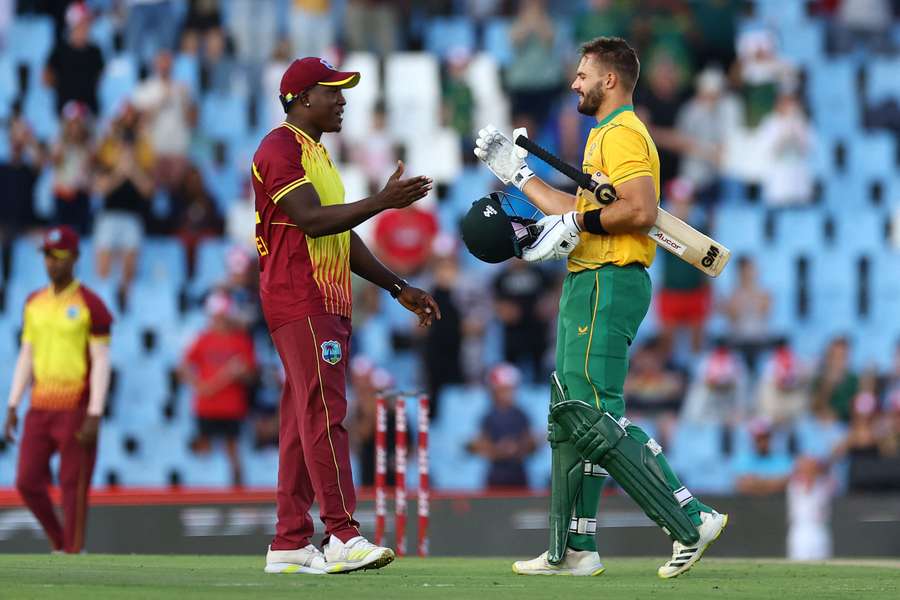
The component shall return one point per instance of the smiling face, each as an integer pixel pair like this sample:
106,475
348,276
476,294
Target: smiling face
326,107
591,82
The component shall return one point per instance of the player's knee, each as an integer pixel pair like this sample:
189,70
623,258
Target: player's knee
28,486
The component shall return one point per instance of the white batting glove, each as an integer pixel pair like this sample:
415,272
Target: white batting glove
557,239
503,158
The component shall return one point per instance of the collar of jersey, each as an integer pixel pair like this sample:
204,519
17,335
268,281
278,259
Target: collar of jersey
613,114
67,291
299,131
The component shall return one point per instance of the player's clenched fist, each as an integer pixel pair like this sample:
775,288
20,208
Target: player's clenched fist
400,193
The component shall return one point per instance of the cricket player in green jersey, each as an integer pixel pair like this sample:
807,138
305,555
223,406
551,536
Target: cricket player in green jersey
605,297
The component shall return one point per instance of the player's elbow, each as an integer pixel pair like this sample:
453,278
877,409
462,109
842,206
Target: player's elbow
644,215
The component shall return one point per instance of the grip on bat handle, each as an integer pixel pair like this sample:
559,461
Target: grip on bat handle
582,179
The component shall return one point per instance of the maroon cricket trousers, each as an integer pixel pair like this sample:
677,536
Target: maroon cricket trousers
313,446
47,432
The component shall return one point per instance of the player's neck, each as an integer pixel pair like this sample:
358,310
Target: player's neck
611,105
307,128
61,284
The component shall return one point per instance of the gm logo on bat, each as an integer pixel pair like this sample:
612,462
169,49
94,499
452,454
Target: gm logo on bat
711,255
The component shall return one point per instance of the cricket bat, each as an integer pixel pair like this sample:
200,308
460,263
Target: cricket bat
669,231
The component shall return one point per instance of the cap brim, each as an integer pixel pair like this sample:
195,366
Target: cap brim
342,79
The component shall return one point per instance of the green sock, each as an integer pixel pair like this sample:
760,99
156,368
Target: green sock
692,508
586,507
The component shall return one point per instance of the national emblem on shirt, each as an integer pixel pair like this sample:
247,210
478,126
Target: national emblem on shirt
72,312
331,352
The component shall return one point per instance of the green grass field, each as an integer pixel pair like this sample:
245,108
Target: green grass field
187,577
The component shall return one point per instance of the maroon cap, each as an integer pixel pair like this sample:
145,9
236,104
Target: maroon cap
60,240
307,72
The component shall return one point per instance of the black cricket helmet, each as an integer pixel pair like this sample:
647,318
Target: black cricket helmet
494,231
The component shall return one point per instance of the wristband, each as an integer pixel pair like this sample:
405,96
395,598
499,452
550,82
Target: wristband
521,177
398,287
592,223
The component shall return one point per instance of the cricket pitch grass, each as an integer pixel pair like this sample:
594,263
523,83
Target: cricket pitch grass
96,576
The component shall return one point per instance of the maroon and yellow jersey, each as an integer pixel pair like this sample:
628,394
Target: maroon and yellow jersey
299,276
59,328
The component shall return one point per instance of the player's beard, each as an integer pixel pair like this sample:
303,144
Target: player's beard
591,101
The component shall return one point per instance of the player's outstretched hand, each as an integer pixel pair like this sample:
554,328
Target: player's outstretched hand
421,303
400,193
557,239
9,428
87,435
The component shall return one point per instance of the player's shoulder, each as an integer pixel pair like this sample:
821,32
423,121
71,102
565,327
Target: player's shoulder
36,295
276,141
93,301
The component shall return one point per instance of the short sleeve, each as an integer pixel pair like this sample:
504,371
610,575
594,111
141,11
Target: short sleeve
27,327
626,155
101,319
278,167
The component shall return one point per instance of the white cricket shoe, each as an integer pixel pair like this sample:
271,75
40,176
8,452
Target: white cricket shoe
358,553
308,560
683,557
582,563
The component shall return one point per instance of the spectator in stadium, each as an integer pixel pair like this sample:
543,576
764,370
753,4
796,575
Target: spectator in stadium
760,470
72,157
443,356
658,99
376,153
241,285
366,382
271,112
403,238
760,73
219,365
835,385
685,299
747,309
64,359
240,218
169,113
782,395
195,216
75,64
786,145
458,99
18,176
607,16
217,65
718,392
150,26
865,23
705,123
809,494
505,438
372,26
519,288
534,77
124,180
202,23
655,387
312,27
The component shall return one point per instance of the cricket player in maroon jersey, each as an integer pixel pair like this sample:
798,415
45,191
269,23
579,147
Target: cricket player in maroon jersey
307,251
65,355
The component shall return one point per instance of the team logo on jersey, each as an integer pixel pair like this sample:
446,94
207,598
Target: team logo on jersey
72,312
331,352
582,330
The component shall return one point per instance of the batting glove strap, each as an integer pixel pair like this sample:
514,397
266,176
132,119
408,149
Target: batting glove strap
522,176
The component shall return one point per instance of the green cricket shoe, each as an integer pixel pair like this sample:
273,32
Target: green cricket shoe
580,563
355,555
683,557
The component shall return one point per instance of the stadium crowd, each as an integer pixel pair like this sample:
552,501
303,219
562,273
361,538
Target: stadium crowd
137,121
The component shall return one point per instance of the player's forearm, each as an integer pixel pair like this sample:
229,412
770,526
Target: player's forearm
316,220
634,211
367,266
21,376
99,380
547,198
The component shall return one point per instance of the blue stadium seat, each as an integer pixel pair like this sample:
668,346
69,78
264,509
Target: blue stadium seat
210,264
103,30
31,41
818,439
799,230
444,35
224,117
886,288
882,82
260,467
117,83
162,261
740,228
872,156
140,393
186,69
27,264
40,111
801,40
832,96
833,276
205,470
864,232
496,40
8,85
696,457
153,304
777,272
